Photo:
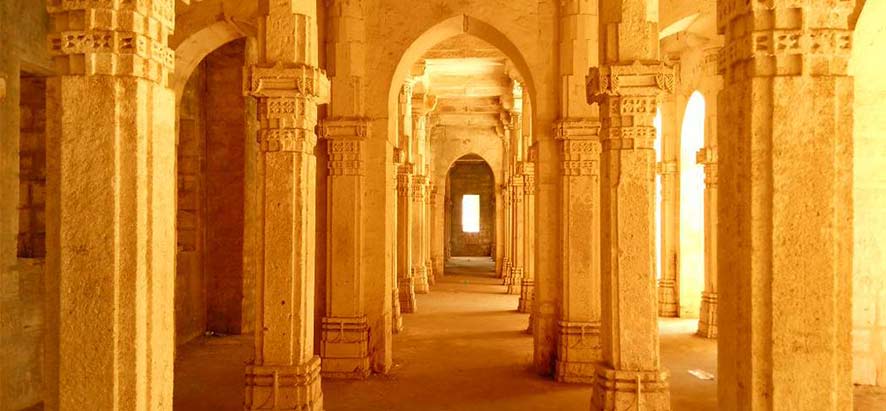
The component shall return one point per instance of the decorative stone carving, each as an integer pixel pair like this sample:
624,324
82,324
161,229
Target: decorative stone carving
346,145
102,38
344,347
578,335
578,351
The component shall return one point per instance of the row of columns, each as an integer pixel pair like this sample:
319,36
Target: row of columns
415,200
786,101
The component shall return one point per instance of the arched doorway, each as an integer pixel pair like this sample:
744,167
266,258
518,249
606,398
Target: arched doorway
692,185
470,208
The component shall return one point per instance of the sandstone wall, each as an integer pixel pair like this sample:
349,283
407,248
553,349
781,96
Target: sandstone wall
190,289
225,149
23,55
477,179
869,271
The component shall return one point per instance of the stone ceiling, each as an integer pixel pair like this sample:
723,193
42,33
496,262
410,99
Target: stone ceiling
468,77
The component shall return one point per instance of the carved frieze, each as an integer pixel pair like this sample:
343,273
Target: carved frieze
636,79
125,38
766,41
287,81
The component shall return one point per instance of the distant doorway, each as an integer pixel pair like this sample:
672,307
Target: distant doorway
470,200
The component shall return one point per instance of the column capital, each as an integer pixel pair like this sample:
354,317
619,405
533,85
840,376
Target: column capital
706,155
346,128
812,39
634,79
345,147
109,38
577,129
286,80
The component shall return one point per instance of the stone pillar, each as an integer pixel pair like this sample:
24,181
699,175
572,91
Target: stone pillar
285,373
785,217
405,278
627,87
419,270
344,333
430,209
507,208
396,309
526,170
707,156
578,348
518,204
707,321
438,205
668,305
110,207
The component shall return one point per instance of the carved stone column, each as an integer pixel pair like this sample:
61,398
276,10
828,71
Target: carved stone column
285,374
578,348
526,170
344,333
508,222
518,233
707,321
405,278
110,206
627,87
419,270
431,194
396,309
513,129
785,211
668,304
708,157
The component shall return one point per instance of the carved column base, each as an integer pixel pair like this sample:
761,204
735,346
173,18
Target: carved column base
527,292
578,352
396,314
506,272
516,280
432,275
344,347
439,266
284,388
667,299
421,280
707,322
617,390
407,295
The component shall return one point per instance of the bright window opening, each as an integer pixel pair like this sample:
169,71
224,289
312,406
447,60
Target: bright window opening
470,213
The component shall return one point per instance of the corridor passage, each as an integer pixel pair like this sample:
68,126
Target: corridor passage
465,349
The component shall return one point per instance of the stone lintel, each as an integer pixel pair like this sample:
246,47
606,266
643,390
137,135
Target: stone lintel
578,351
344,346
284,388
617,390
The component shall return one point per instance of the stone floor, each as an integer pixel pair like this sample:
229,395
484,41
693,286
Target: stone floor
464,350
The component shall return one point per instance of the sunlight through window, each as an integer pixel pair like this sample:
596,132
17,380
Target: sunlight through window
470,213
